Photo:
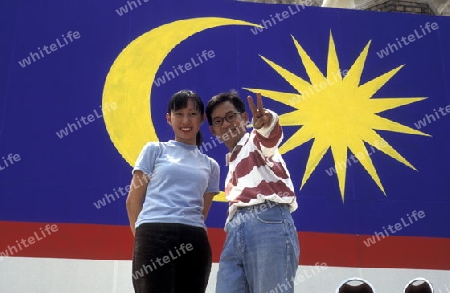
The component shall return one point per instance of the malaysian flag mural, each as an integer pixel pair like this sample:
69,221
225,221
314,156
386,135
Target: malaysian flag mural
363,99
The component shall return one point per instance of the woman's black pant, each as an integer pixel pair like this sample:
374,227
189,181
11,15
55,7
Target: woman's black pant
171,258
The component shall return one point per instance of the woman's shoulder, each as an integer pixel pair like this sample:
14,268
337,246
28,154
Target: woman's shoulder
154,147
212,161
157,144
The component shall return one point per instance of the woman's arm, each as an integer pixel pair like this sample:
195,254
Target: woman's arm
207,202
136,197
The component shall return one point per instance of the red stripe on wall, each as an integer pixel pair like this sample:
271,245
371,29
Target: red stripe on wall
106,242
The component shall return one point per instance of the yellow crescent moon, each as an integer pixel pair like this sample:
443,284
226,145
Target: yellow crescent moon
128,85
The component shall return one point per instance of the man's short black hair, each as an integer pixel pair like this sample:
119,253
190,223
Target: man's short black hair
215,101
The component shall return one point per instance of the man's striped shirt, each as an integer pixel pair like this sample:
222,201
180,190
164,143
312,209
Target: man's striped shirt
257,172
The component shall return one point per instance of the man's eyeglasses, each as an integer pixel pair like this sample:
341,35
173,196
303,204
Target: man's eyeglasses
230,117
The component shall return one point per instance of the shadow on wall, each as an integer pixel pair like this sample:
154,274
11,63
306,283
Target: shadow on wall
358,285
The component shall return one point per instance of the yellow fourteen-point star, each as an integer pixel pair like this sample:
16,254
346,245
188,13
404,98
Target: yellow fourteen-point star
338,113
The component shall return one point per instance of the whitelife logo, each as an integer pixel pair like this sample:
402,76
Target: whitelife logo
53,47
71,127
392,48
11,159
11,250
397,226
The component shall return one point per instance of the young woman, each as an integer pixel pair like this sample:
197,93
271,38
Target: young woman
172,190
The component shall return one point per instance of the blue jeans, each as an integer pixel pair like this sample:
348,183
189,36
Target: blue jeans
261,251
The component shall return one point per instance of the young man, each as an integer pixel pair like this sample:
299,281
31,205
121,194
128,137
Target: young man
261,250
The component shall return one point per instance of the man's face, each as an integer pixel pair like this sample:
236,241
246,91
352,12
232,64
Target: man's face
228,123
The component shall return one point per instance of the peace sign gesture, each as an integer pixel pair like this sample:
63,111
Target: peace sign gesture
261,117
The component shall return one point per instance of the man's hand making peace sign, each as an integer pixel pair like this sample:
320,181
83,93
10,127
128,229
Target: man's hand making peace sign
260,116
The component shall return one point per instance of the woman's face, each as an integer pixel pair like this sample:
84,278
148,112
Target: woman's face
186,123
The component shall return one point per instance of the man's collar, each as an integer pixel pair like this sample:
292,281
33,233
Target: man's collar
232,155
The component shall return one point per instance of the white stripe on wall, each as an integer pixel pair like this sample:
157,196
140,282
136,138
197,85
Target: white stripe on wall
46,275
